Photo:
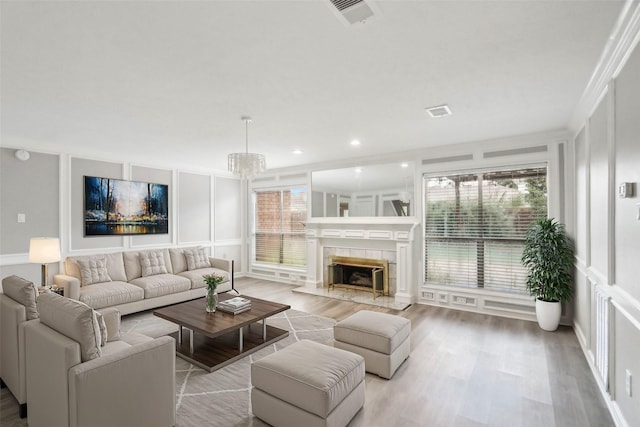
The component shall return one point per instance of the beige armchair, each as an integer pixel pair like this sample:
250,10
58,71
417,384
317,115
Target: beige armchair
17,308
75,378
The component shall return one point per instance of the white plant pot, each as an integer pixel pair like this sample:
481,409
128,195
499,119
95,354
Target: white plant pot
548,314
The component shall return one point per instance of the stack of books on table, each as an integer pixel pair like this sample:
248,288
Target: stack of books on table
235,305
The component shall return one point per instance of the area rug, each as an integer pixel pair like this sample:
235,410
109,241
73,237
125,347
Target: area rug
222,398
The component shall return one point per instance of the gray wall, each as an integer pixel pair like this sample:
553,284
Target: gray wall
32,188
607,153
48,189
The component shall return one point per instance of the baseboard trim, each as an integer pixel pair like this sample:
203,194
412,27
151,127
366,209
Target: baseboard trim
614,409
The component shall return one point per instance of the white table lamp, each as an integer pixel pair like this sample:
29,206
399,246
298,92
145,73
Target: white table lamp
44,250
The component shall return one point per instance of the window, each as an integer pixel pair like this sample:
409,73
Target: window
279,226
475,226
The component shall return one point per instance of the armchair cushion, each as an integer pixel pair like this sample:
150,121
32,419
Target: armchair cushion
23,292
112,321
73,319
103,329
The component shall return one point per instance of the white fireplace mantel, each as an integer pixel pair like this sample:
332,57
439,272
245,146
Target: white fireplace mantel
391,233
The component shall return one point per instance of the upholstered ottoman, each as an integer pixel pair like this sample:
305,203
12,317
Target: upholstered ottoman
382,339
308,384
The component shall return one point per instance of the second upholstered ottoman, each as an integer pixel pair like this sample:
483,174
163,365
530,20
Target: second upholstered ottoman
382,339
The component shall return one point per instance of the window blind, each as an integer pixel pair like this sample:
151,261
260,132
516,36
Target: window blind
475,226
279,226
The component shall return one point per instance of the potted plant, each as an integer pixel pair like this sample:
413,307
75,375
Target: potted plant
211,300
548,258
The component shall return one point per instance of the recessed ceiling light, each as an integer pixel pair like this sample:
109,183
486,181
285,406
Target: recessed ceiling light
355,142
358,170
439,111
404,165
297,151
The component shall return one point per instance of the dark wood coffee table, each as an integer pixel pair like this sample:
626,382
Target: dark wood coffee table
214,340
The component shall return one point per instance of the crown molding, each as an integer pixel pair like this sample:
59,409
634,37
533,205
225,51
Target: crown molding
623,39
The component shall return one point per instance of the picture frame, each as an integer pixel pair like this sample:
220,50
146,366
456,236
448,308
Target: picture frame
115,207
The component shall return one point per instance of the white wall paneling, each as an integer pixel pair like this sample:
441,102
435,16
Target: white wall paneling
607,153
194,205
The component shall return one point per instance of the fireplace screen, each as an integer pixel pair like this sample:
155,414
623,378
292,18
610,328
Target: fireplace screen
359,274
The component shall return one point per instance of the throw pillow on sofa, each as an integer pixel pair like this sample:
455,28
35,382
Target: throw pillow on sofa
196,258
73,319
23,292
93,270
152,263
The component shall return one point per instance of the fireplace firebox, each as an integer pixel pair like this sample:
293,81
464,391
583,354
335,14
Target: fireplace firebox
362,274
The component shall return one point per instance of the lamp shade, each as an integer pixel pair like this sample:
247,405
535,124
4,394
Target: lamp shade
43,250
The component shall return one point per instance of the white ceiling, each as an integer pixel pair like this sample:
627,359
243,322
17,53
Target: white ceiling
167,82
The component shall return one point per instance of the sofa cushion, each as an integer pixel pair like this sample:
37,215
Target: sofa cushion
161,284
73,319
197,281
196,258
109,294
132,263
178,260
115,266
23,292
93,270
152,263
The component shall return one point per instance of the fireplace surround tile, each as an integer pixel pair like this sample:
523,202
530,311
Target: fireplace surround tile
373,254
358,253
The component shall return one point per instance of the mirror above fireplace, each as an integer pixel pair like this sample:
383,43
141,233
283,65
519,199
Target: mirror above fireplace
364,191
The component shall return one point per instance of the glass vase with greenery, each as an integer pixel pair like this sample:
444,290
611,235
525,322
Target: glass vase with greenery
211,300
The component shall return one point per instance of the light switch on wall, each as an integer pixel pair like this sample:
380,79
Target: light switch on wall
22,218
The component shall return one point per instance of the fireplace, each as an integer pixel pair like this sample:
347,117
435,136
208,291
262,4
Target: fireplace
362,274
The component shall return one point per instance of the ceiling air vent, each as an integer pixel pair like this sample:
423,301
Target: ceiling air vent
439,111
354,11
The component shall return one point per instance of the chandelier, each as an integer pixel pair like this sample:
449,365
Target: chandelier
246,165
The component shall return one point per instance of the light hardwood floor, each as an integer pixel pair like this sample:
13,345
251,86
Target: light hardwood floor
465,369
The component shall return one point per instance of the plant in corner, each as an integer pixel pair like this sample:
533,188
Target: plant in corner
548,258
211,300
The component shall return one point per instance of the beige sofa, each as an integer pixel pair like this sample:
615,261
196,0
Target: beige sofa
134,281
82,372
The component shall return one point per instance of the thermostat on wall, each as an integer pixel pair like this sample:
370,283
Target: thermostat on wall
625,190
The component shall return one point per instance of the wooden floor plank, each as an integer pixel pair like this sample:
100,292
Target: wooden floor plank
465,369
